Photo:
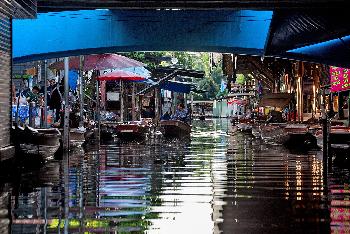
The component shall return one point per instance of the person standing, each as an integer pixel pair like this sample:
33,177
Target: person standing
55,102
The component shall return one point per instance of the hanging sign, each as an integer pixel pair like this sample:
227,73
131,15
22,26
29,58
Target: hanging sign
339,79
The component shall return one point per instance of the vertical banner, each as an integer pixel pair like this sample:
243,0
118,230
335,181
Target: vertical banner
339,79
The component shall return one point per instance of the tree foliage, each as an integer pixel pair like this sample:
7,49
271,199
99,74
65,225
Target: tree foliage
189,60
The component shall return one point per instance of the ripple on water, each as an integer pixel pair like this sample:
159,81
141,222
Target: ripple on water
215,183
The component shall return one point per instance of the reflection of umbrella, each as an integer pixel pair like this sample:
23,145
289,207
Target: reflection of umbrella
99,62
121,75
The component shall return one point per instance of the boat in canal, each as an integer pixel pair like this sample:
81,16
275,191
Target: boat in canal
77,137
245,125
175,129
287,134
40,142
339,137
128,131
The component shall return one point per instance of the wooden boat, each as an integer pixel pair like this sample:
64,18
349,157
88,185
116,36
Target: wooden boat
293,135
339,137
244,125
76,137
300,136
130,131
41,142
274,133
175,129
256,132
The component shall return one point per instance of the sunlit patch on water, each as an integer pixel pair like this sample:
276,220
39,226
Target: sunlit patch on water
214,183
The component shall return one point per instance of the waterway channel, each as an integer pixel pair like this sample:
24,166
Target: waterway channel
217,182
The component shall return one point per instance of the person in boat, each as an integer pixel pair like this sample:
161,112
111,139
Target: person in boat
166,116
275,117
33,96
181,113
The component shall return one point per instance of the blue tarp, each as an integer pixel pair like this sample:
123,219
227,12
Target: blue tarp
73,79
178,87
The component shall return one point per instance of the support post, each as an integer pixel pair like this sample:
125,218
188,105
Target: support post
157,105
121,101
133,103
140,106
66,106
45,95
32,107
340,106
81,90
348,110
325,137
98,111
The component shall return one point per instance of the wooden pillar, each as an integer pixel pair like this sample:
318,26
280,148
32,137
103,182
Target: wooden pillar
349,110
133,103
121,101
66,105
158,105
140,106
45,96
81,90
98,111
340,105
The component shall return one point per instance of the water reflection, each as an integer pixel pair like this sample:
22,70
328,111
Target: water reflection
215,183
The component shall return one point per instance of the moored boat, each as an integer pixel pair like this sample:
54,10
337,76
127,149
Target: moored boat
76,137
244,125
175,129
339,137
130,131
40,142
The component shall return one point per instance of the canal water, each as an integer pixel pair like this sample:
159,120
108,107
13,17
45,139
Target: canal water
218,182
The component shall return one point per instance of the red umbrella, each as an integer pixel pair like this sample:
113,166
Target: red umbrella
99,62
121,75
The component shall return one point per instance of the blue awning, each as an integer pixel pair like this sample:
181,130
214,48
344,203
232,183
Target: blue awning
179,87
334,52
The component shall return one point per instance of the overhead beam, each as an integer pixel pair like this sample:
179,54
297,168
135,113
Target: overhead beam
59,5
63,34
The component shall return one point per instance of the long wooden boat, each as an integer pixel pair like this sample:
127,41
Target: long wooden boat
175,129
130,131
41,142
245,125
288,134
339,137
76,137
274,133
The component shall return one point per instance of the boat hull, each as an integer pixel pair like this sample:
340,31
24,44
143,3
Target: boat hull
41,142
175,129
131,132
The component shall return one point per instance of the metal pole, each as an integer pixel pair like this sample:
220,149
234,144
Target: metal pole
81,90
45,95
98,111
66,106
